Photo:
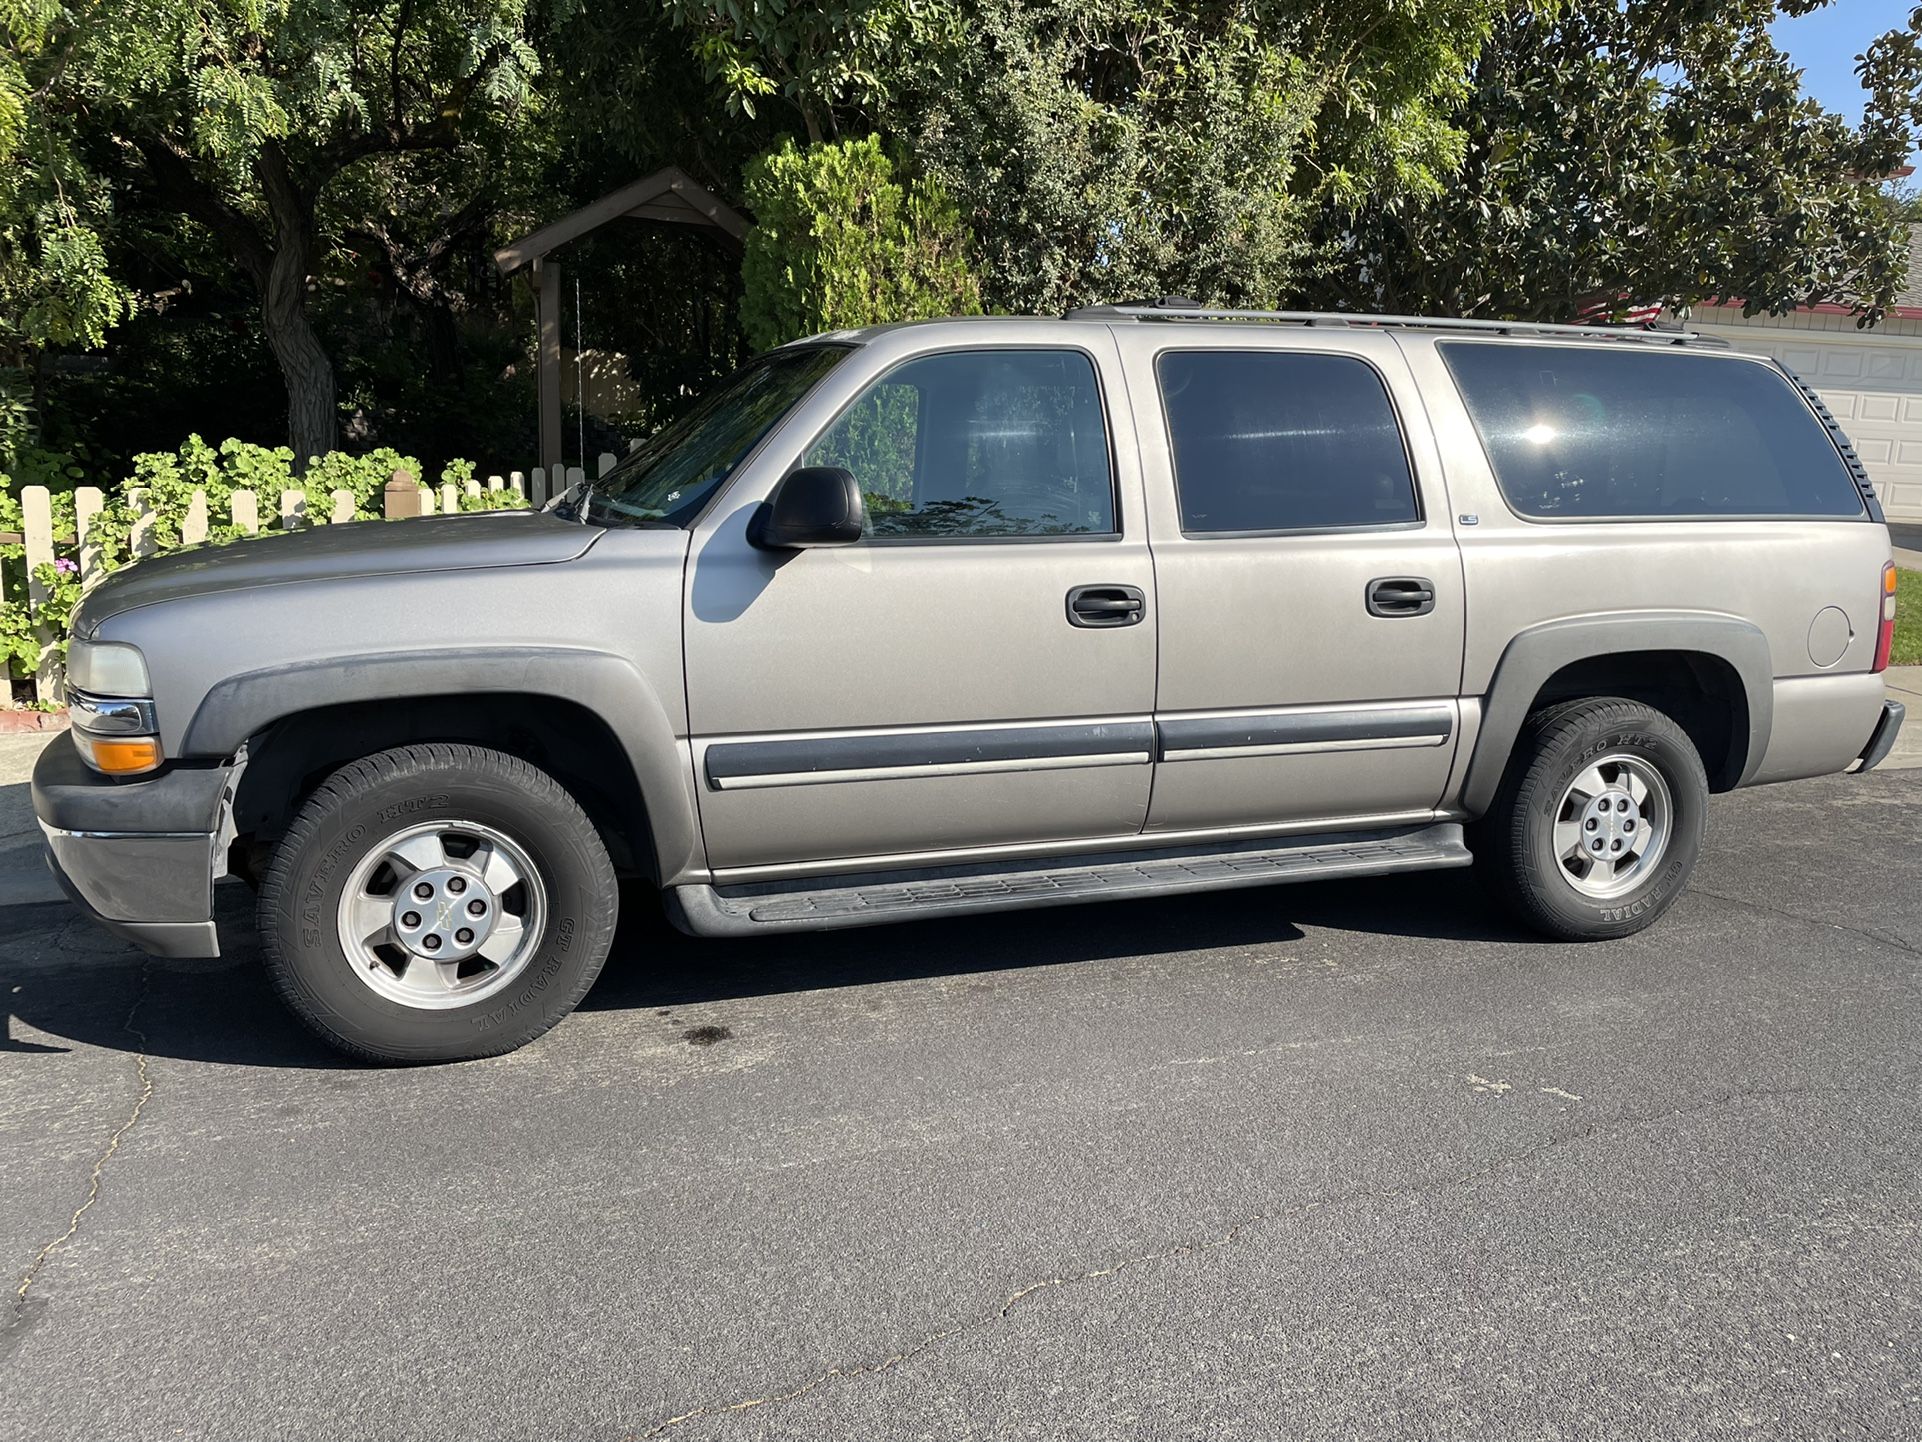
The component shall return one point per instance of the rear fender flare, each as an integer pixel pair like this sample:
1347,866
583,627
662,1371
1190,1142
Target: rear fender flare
1539,652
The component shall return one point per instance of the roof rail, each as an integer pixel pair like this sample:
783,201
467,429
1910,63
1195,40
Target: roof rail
1179,308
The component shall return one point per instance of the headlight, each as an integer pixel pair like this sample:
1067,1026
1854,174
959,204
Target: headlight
107,668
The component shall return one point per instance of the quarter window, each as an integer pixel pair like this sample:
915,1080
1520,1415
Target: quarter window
1279,441
1581,432
979,443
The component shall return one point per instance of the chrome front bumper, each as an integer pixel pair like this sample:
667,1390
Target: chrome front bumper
139,857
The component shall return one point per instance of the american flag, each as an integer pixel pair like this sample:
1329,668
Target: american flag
1618,310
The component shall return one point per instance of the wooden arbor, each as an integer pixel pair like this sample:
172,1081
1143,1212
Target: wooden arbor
666,195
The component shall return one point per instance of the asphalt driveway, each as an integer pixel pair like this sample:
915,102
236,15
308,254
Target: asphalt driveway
1355,1159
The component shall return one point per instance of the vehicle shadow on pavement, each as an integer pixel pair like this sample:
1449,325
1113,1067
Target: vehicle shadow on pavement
654,965
72,983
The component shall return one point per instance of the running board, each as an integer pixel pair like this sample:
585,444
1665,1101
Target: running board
875,898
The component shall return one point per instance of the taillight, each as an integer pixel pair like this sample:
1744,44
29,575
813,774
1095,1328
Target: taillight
1885,631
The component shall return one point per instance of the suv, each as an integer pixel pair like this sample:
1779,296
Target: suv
949,617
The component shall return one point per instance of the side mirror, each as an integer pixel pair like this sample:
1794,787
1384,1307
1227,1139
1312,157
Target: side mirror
813,506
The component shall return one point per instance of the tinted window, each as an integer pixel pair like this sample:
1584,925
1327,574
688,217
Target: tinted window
979,443
669,476
1576,432
1271,441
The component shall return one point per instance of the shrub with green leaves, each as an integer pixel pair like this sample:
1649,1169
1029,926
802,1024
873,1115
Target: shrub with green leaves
161,488
840,241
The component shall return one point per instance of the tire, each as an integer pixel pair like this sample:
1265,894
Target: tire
358,971
1533,847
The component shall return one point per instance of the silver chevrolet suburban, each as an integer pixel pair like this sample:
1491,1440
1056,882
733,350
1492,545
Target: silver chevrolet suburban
944,618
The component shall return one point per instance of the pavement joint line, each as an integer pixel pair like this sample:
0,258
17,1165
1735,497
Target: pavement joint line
96,1178
1209,1244
1877,937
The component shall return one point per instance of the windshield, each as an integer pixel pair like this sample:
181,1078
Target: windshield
669,476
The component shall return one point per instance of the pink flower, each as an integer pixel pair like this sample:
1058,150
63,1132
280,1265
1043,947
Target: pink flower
65,566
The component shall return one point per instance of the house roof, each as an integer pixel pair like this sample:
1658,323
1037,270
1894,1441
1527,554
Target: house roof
1907,304
1909,295
668,194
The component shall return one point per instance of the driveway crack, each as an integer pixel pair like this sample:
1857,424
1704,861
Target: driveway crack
96,1178
1880,938
997,1315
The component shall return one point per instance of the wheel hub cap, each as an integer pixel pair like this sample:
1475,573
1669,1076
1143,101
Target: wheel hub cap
446,914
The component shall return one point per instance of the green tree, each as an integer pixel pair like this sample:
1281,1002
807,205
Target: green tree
1647,150
1101,148
838,241
241,117
819,58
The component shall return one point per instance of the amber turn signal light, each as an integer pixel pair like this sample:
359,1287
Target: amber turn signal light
128,756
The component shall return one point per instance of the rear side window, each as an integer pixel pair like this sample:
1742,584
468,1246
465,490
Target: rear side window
979,443
1276,441
1578,433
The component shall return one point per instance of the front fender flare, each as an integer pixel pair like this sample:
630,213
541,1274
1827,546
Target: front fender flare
1539,652
608,685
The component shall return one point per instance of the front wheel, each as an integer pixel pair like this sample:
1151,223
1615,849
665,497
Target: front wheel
1598,823
436,903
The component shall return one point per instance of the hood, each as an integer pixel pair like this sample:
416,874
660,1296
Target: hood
330,553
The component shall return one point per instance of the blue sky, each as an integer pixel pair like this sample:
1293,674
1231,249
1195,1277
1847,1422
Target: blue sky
1826,43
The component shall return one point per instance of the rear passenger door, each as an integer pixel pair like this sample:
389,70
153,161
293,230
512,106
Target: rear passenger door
1310,587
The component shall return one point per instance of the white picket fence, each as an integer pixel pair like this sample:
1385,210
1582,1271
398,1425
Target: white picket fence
404,498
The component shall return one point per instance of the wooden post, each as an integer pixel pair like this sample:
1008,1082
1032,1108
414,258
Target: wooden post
606,463
343,506
36,521
293,509
140,541
547,364
449,498
246,507
193,526
539,494
575,475
88,502
473,487
401,498
517,482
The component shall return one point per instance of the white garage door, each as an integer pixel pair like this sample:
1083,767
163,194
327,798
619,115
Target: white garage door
1874,387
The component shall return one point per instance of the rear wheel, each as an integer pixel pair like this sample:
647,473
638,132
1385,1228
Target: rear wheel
436,903
1598,823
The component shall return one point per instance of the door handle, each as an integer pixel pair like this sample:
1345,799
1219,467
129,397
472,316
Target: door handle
1401,596
1106,606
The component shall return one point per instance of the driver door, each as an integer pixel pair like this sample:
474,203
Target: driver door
930,692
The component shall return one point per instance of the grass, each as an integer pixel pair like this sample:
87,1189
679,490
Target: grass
1907,650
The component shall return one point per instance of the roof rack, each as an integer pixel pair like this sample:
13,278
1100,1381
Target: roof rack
1179,308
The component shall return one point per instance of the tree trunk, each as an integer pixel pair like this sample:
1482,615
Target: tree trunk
313,415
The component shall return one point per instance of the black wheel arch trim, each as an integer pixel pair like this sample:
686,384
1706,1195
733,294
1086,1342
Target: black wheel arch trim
1535,655
607,685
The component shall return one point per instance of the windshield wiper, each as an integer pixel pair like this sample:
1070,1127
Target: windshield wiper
572,503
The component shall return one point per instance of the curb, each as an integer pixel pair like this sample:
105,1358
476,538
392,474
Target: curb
14,722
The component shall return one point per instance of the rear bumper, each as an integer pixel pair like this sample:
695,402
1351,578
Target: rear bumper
1882,741
139,857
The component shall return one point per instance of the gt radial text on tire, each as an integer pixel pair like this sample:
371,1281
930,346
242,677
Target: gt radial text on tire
1598,822
437,903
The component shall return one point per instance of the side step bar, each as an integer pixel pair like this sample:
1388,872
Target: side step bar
875,898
